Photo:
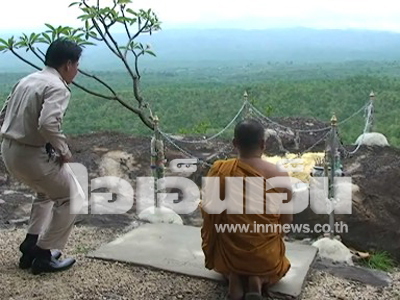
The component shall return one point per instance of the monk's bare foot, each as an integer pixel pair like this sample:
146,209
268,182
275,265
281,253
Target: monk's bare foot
236,290
265,290
254,284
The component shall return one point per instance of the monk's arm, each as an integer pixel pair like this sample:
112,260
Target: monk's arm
286,218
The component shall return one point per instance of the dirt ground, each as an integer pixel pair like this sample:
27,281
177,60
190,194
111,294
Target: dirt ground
114,153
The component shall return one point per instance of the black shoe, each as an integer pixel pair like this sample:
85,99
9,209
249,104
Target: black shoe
25,262
44,265
29,242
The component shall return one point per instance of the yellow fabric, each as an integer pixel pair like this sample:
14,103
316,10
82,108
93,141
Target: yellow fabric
309,161
251,254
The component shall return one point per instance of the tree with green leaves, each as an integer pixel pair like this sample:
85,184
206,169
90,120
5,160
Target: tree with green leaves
97,24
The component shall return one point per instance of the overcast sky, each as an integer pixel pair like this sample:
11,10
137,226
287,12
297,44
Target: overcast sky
27,15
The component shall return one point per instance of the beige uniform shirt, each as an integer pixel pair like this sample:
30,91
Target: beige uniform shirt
34,111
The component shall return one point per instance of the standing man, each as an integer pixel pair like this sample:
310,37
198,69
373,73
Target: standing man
31,122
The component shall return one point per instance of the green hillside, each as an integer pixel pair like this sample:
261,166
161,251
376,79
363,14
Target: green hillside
196,82
205,100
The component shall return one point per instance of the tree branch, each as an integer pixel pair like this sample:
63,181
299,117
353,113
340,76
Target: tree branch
24,60
93,93
139,112
127,32
112,22
41,52
137,63
104,38
125,25
131,38
118,53
36,54
136,91
96,25
107,32
74,83
140,30
146,120
97,39
134,77
99,80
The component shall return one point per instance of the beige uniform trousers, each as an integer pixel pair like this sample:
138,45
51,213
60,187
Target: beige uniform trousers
50,214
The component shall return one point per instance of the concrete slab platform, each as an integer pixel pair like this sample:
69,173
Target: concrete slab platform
177,248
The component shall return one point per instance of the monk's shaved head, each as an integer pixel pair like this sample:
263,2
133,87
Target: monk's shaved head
249,135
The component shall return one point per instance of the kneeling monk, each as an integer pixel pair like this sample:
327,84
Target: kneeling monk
255,259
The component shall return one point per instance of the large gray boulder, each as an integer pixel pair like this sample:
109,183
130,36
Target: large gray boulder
375,220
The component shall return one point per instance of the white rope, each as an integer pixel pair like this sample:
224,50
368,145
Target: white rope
277,137
217,154
314,145
353,115
262,118
301,153
176,146
366,127
215,135
182,150
306,130
187,153
283,126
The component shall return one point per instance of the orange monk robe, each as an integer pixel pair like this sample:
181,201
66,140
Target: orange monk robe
252,254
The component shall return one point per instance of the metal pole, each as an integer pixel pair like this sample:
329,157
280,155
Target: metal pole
326,175
157,160
153,162
246,101
372,107
331,178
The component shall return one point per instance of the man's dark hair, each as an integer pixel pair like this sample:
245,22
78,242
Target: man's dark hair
61,51
249,134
